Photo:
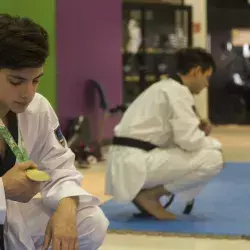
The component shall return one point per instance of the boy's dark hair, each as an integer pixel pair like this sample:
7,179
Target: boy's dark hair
188,58
23,43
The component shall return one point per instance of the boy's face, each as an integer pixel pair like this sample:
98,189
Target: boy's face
18,87
200,79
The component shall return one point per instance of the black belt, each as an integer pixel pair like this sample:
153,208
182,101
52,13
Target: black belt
135,143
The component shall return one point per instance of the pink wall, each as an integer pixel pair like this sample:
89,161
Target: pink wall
89,36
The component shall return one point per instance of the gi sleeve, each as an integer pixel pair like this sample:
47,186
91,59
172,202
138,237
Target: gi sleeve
2,203
185,126
57,160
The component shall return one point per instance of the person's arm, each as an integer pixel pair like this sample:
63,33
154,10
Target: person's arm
54,157
185,124
205,124
2,203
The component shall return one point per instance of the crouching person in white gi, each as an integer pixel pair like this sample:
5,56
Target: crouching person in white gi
160,145
66,217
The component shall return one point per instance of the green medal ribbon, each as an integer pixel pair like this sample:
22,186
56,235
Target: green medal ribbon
22,155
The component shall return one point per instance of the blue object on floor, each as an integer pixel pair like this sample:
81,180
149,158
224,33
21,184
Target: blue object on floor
221,209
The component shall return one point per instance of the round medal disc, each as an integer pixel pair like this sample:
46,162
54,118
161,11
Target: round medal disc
37,175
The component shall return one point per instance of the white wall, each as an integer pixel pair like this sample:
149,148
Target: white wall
200,40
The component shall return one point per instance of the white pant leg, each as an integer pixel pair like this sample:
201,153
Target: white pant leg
91,222
181,172
125,173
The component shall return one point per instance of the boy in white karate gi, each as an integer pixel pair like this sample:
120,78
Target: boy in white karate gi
161,146
66,217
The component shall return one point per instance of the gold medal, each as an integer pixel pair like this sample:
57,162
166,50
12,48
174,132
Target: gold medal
37,175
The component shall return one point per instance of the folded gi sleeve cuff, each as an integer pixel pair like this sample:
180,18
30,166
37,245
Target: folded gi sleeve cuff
69,189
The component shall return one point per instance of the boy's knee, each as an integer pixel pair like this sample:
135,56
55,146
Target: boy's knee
92,227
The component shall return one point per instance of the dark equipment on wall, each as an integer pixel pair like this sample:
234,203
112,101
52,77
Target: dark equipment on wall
79,142
78,133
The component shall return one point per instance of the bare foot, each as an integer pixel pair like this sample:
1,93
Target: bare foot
149,201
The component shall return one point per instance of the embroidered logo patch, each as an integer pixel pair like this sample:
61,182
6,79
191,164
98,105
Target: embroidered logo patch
59,136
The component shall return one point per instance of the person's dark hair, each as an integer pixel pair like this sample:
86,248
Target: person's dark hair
189,58
23,43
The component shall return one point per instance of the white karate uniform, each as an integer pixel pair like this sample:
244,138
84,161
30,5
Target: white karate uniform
25,223
185,159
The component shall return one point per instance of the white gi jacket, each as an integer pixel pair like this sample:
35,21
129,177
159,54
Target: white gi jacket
162,115
46,146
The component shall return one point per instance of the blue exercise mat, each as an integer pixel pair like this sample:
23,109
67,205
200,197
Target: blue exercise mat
222,209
